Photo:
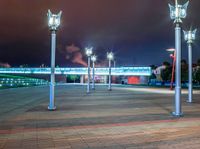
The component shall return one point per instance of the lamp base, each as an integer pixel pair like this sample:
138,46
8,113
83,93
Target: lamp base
52,108
174,114
189,101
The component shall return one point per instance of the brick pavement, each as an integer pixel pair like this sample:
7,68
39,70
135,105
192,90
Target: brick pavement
125,118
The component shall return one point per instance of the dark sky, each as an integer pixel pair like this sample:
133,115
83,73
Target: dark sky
137,31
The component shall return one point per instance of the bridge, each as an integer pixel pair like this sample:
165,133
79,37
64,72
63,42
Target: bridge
118,71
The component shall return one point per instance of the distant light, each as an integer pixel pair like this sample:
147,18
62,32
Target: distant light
53,20
88,51
178,12
110,56
93,58
190,36
170,50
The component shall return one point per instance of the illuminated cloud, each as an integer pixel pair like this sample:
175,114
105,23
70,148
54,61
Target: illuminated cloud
74,55
72,48
5,65
78,58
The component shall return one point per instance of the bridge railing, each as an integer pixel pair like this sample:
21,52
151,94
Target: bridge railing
125,71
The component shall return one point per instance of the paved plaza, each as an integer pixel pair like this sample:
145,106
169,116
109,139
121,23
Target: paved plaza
125,118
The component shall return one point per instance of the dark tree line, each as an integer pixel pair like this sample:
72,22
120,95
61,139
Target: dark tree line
166,74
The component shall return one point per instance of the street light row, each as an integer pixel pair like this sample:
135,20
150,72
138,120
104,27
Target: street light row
177,13
93,58
54,23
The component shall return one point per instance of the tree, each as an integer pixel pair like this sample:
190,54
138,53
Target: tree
72,78
153,67
184,71
152,76
165,63
166,73
196,75
198,62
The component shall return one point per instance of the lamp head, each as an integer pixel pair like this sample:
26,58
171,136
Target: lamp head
88,51
110,56
178,12
53,20
170,50
190,36
94,58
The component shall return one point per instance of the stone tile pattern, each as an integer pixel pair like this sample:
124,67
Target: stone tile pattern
117,119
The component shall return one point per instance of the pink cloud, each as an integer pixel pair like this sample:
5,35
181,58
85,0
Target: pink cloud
5,65
74,54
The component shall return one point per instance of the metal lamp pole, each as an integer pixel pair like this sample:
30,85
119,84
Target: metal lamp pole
93,58
88,52
110,57
53,23
178,12
189,38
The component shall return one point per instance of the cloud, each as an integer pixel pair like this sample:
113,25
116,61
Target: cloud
78,58
5,65
72,48
74,55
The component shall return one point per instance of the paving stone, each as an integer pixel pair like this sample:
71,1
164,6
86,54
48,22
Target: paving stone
125,118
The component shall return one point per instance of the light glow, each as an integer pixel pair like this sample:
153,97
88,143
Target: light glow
110,56
178,12
93,58
190,36
171,50
53,20
88,51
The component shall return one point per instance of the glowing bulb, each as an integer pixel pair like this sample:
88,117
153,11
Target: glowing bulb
94,58
88,51
110,56
53,20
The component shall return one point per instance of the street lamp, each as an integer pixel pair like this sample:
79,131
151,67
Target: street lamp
110,57
53,23
93,58
173,56
190,37
88,52
177,13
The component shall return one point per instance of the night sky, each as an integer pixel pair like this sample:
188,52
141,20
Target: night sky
137,31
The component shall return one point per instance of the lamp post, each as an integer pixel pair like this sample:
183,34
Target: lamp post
53,23
110,57
178,12
93,58
189,38
88,52
173,56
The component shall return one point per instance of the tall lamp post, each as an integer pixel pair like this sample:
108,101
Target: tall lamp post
88,52
110,57
93,58
178,12
189,38
173,56
53,23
